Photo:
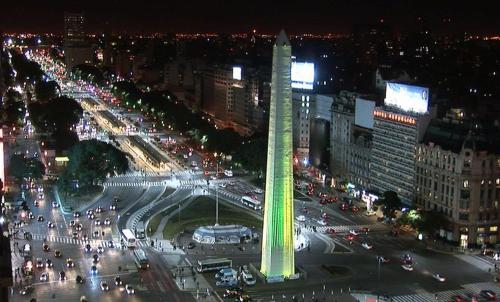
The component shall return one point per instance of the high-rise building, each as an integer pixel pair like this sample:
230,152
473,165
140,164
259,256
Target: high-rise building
74,28
77,50
398,127
278,258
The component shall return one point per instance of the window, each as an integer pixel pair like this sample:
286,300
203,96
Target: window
493,228
466,183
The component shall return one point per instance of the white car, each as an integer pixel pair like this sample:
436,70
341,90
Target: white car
322,222
301,218
107,221
55,204
258,191
44,277
100,249
407,267
130,290
439,277
366,245
97,222
222,185
104,286
354,232
370,213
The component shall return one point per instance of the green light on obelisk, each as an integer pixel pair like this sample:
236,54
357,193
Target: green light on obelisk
277,238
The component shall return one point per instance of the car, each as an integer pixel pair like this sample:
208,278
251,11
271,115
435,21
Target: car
39,263
438,277
40,218
100,249
95,258
45,247
130,289
223,185
48,263
407,267
488,294
62,276
323,202
383,259
116,199
31,216
118,281
111,244
112,207
406,259
322,195
72,223
349,237
57,254
55,204
322,222
344,206
70,263
99,210
104,286
51,225
77,214
85,237
330,231
78,227
91,216
107,221
89,212
354,232
226,282
191,245
44,276
36,204
230,293
95,234
25,290
366,245
364,230
97,222
301,218
79,279
258,191
324,215
370,213
354,209
74,235
93,270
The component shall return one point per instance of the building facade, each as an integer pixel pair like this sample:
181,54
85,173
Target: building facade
77,50
458,175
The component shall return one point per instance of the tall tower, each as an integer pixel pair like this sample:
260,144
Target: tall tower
277,239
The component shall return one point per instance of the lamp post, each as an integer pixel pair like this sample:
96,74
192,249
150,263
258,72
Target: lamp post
216,191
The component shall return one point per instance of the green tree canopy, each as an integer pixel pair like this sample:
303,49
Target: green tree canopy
431,222
90,162
45,91
13,109
89,73
58,114
21,167
391,203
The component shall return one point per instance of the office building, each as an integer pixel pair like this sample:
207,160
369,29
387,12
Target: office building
77,50
278,258
398,127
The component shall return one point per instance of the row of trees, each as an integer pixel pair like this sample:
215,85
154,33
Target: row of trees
22,167
90,162
428,222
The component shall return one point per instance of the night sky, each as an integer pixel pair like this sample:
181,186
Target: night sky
316,16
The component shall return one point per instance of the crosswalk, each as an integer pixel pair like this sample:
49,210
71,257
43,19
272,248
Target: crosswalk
466,290
81,242
347,228
135,184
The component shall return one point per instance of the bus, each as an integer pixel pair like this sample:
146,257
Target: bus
140,230
129,238
212,265
251,203
141,260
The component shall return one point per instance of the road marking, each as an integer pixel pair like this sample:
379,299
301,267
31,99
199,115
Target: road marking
161,286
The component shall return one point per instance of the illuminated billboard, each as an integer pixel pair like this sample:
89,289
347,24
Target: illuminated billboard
302,75
237,73
407,97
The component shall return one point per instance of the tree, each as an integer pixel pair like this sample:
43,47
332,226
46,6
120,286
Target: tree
45,91
391,203
13,109
58,114
21,167
431,222
90,162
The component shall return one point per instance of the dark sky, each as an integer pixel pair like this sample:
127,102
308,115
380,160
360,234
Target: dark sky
229,16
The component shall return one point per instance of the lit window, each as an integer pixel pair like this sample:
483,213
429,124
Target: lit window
466,183
497,181
493,228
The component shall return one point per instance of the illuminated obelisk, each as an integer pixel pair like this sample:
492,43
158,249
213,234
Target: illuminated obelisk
277,238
